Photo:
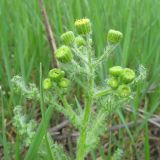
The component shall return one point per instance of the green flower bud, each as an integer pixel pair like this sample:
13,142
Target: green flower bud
79,41
124,91
127,75
83,26
56,74
67,37
113,83
64,54
47,84
64,83
116,70
114,36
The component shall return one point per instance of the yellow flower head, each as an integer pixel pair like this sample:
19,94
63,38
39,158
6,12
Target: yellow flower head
83,26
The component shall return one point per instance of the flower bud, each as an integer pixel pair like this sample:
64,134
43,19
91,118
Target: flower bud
47,84
83,26
114,36
64,54
127,75
79,41
124,91
115,71
113,83
56,74
64,83
67,37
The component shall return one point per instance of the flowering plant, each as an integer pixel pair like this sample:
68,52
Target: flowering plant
77,69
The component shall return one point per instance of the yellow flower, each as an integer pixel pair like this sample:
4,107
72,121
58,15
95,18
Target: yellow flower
83,26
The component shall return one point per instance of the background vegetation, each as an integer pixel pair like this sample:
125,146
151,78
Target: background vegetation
23,45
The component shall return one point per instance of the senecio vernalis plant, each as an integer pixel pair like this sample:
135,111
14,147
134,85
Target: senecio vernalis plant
72,89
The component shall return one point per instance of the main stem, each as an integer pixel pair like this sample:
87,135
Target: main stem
88,104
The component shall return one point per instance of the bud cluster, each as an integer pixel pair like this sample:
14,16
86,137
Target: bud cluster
64,53
82,71
56,79
121,79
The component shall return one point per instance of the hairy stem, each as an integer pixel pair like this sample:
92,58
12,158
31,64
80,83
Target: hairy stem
81,153
103,93
108,50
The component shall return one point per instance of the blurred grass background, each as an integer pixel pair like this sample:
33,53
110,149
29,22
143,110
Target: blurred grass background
23,45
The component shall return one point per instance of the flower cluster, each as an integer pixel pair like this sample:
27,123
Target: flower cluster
78,65
56,79
120,79
64,53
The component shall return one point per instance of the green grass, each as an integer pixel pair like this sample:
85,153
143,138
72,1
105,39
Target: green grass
23,45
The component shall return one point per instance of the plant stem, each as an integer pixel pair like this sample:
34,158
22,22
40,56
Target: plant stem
89,100
79,55
103,93
108,50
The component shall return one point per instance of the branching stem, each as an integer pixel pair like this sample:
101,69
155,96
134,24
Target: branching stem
108,50
103,93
